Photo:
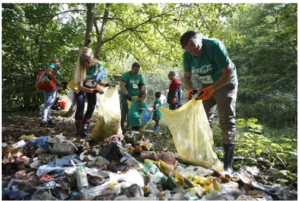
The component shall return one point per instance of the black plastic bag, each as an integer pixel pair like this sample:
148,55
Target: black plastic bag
113,154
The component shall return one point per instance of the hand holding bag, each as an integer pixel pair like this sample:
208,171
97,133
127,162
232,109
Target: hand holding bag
43,82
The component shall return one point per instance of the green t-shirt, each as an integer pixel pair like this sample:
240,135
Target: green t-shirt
156,114
135,113
211,62
91,73
157,102
55,70
132,83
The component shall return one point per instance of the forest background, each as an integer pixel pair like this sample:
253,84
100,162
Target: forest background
261,40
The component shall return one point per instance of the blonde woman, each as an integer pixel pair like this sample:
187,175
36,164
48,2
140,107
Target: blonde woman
87,69
50,96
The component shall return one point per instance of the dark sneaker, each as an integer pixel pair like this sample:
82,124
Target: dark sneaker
43,124
50,124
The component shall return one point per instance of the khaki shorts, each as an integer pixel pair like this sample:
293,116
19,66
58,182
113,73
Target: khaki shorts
224,99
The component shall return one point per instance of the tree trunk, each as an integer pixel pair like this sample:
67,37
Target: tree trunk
89,24
100,38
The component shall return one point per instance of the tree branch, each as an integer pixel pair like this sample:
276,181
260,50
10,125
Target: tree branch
134,28
146,44
105,19
202,17
68,11
166,38
109,18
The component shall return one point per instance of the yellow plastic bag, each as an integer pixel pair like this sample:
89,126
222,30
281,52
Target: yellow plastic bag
28,137
73,86
144,125
192,134
109,115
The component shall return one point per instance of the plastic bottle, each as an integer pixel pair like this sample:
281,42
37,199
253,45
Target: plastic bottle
81,177
159,178
150,168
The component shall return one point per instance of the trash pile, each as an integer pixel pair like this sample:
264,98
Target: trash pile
58,168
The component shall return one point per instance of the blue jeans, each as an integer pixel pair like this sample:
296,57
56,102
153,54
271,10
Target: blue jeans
50,97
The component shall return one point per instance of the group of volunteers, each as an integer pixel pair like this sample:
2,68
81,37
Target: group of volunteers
206,57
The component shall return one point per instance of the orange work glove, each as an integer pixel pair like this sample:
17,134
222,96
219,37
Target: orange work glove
97,90
191,92
174,100
206,93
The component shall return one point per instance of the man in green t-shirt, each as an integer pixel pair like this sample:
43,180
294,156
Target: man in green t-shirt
131,84
218,79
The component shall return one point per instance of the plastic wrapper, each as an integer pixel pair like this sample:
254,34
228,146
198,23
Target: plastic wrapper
64,148
28,137
90,193
192,134
148,155
132,176
18,144
42,195
57,138
133,191
134,163
132,136
15,192
109,116
97,177
194,171
244,198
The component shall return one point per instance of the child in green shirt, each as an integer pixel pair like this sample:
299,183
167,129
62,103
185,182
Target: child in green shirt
136,110
156,114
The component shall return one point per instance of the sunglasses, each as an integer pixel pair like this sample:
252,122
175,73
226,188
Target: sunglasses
85,60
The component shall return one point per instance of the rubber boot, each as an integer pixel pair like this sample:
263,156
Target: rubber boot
155,128
79,126
85,128
228,158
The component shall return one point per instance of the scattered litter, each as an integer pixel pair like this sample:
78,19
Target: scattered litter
49,168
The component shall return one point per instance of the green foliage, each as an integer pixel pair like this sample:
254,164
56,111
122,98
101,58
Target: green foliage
148,33
266,62
30,37
279,154
257,149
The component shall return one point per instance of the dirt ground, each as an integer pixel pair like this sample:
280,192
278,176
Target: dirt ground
15,125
